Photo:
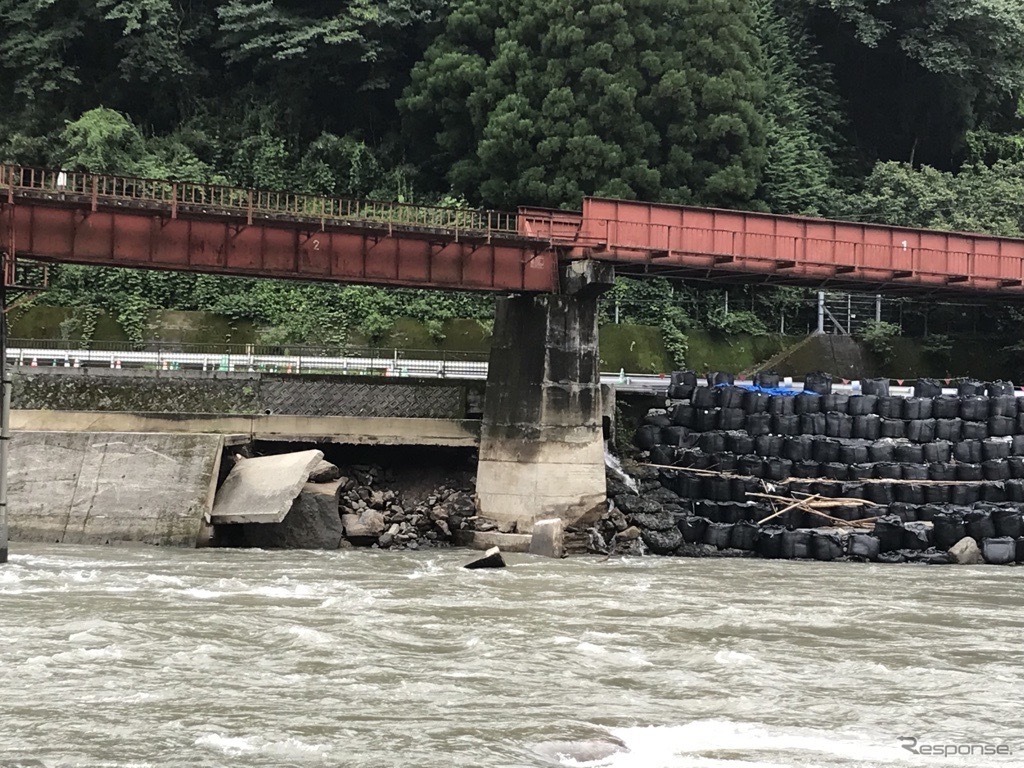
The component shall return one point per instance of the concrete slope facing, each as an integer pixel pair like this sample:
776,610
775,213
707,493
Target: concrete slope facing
112,487
262,490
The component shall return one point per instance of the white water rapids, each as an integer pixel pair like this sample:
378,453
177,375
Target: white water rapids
158,657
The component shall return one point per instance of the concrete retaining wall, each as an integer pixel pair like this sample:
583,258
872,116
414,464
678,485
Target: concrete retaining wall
112,487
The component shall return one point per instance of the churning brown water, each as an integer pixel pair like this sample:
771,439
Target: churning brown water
114,657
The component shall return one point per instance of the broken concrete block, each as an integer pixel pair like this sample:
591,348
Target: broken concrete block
965,552
492,559
262,490
311,523
324,472
547,539
509,542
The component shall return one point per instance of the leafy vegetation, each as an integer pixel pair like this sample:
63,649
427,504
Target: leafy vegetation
903,113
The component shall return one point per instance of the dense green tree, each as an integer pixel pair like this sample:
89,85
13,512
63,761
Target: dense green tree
544,101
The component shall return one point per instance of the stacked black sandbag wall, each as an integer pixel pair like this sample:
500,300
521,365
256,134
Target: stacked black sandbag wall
931,463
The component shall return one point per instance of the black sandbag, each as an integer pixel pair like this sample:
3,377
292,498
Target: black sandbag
708,509
914,471
756,402
647,437
741,486
677,437
909,493
731,397
768,445
945,407
682,415
969,388
705,419
716,378
806,469
892,557
724,462
1008,522
1016,465
964,495
777,468
1001,550
782,405
927,557
792,518
889,407
685,378
974,430
995,448
1017,444
838,425
921,430
999,388
862,546
825,450
688,486
893,428
818,382
853,453
861,471
739,443
731,418
833,470
688,457
942,470
1014,490
798,448
911,453
974,408
968,452
948,429
1020,422
916,536
994,492
885,470
867,427
769,542
882,450
759,424
917,408
752,466
948,529
680,392
806,402
827,489
907,513
1001,426
889,532
743,536
1002,405
718,535
939,451
658,419
936,494
969,472
826,546
995,469
861,405
879,493
836,402
796,544
875,387
767,379
927,388
786,425
718,488
664,455
979,524
704,397
711,442
812,423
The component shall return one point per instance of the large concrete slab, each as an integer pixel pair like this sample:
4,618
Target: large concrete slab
111,487
261,490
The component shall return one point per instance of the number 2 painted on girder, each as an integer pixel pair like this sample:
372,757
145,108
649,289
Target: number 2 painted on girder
316,245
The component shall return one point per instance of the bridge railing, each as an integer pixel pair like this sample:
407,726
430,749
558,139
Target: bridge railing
101,189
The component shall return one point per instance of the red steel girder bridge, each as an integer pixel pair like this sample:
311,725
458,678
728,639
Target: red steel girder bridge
56,216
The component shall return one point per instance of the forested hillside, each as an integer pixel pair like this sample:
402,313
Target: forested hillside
899,112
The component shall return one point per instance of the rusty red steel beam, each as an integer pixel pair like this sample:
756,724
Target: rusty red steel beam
791,249
92,220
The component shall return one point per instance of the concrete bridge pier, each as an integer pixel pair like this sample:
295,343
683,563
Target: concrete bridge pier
541,441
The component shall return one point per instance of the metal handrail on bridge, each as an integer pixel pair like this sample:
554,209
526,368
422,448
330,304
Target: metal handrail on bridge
175,196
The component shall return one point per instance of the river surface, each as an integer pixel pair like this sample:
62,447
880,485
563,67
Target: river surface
160,657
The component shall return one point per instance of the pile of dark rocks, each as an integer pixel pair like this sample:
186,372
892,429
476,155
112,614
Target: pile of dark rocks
375,516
